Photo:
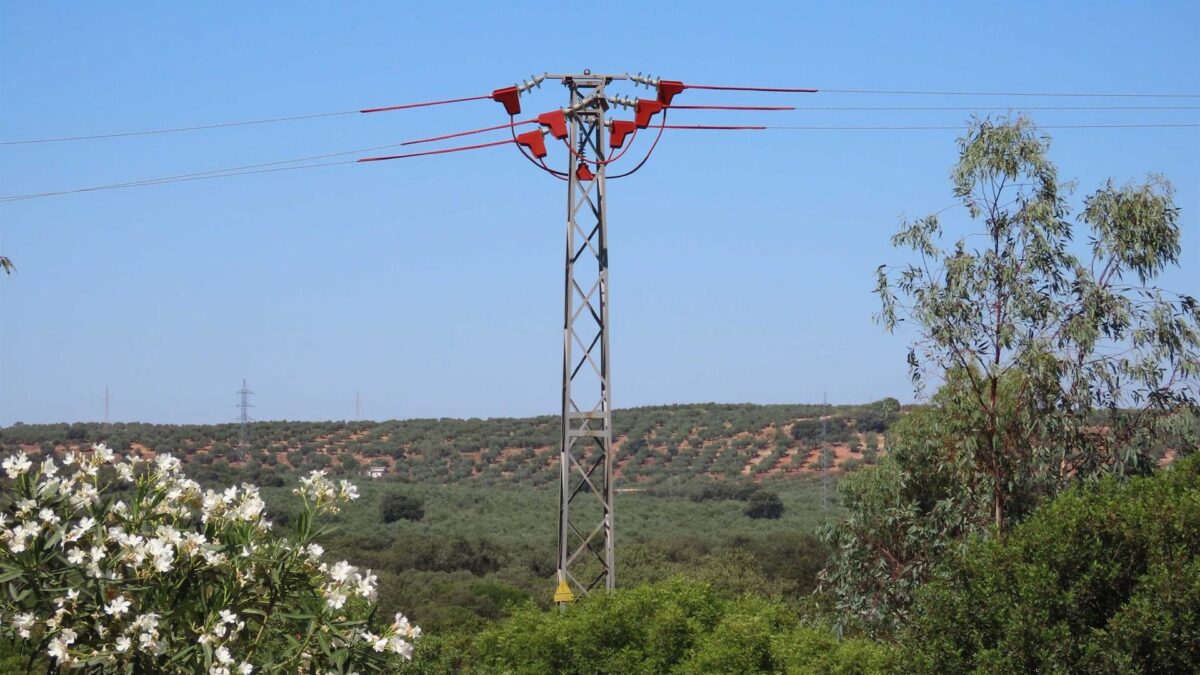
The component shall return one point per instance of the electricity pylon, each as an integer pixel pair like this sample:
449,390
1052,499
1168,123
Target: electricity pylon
244,418
585,532
585,513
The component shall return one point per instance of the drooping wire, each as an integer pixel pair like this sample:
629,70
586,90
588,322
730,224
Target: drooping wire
539,163
661,127
598,162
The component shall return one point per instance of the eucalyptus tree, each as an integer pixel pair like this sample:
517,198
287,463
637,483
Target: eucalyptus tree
1066,365
1054,361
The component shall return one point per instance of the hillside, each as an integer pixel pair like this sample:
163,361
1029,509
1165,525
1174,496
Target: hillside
653,444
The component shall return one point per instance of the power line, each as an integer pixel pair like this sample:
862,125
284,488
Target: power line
994,108
241,123
1073,94
249,169
493,96
163,181
959,127
175,130
213,173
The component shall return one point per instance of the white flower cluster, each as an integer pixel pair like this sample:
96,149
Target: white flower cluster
318,490
132,561
397,639
344,580
233,504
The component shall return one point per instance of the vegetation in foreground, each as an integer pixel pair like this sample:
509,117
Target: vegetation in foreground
1105,578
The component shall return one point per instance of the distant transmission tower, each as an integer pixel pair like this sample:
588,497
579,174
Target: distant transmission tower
106,405
244,418
824,460
357,405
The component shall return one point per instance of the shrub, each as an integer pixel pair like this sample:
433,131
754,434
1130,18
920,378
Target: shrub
818,651
741,641
643,630
122,566
764,504
397,505
1105,578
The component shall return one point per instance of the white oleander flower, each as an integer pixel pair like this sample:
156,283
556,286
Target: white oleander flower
101,454
117,607
223,655
24,622
16,465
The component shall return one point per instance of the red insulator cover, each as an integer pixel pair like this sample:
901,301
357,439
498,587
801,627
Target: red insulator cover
534,141
510,97
556,122
644,110
667,89
620,129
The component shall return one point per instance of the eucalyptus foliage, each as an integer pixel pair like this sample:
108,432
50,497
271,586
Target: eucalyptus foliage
1051,368
1097,359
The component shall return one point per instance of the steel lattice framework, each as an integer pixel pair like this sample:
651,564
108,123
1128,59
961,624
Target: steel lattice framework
585,536
585,505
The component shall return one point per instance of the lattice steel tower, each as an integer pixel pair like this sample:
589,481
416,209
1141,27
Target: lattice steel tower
585,536
244,417
585,513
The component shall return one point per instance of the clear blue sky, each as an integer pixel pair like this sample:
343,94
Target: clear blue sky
741,265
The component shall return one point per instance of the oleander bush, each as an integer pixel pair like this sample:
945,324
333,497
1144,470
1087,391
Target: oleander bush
120,565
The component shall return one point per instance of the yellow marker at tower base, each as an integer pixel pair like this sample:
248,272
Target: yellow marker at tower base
563,593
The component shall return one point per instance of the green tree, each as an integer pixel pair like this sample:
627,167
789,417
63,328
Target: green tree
1053,369
764,504
1073,338
348,462
397,505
